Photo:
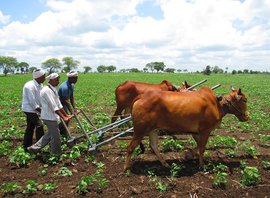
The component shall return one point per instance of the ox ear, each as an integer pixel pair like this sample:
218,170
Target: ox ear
186,84
239,91
219,98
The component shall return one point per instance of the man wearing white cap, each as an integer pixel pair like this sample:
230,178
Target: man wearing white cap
31,107
52,110
65,92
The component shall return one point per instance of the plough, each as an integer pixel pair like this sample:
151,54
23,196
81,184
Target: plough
102,130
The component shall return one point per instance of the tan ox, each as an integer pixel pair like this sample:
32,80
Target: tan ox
197,112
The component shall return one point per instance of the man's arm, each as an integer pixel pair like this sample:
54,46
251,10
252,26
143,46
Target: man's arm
63,115
73,104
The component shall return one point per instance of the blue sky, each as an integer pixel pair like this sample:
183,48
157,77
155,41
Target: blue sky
184,34
22,10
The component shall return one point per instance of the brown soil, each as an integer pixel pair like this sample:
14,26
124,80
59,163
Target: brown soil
192,182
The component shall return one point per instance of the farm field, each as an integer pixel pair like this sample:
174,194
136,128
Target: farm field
237,158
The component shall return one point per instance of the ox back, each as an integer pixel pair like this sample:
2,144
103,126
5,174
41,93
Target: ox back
129,90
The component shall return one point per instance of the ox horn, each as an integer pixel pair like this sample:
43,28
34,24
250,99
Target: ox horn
175,88
239,91
232,88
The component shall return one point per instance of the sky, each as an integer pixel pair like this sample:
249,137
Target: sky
184,34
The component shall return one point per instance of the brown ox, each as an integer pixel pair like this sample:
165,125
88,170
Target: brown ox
197,112
129,90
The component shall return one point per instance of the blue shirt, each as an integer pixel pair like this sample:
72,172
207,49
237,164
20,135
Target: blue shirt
65,91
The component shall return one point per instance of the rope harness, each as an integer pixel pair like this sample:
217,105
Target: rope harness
229,102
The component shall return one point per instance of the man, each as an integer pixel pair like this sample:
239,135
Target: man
31,107
51,112
66,96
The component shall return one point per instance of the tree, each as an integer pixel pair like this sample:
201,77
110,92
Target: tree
70,63
170,70
217,70
245,71
134,70
159,66
207,70
111,68
8,63
234,72
31,69
179,70
101,68
23,67
52,64
87,69
145,69
150,66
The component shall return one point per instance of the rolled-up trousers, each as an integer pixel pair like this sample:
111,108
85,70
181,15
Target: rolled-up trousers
52,137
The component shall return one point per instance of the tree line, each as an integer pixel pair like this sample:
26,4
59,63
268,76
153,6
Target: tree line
9,64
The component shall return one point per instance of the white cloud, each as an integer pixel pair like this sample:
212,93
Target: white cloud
4,19
192,33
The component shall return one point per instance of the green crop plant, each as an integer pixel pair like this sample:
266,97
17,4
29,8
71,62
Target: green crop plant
31,187
52,159
266,165
220,176
220,180
159,185
19,157
176,169
222,141
264,139
248,149
122,145
89,158
250,176
5,147
10,187
64,172
48,188
42,171
97,179
230,152
169,144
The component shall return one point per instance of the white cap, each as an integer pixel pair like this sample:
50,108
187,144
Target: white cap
72,74
52,76
38,73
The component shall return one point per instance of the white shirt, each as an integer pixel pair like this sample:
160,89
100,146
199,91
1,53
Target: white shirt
50,103
31,96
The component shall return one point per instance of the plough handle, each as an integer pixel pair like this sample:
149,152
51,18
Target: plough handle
197,84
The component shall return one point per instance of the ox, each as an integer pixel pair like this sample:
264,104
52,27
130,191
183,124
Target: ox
129,90
197,112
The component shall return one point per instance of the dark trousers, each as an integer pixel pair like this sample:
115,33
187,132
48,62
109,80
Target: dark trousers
33,122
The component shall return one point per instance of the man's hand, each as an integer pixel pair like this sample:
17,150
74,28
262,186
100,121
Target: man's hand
75,111
67,118
38,110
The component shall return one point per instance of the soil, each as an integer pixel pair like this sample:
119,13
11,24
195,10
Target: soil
192,182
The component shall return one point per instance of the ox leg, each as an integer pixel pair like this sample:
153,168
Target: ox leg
153,137
202,143
196,138
132,145
117,112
